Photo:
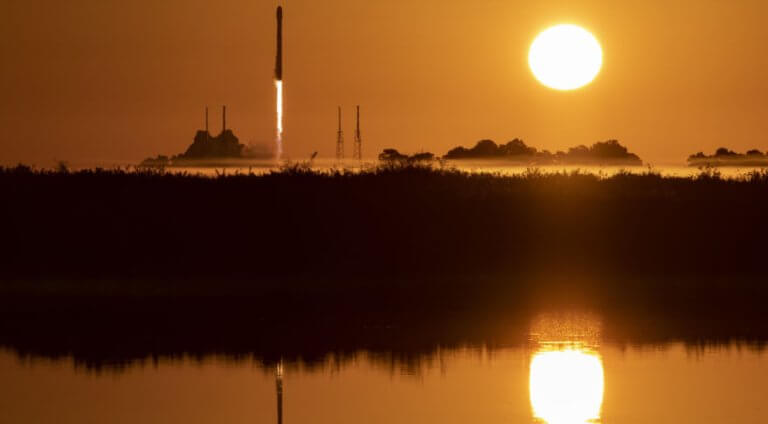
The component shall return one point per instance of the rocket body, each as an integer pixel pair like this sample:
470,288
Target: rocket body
279,84
279,58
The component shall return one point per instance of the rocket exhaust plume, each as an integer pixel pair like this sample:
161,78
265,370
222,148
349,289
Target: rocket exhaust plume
279,82
279,88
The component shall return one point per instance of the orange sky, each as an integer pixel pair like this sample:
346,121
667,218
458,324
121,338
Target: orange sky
117,80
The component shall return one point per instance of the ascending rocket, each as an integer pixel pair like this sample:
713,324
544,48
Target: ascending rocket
279,84
279,58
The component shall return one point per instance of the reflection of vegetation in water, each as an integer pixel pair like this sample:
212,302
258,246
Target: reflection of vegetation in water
403,331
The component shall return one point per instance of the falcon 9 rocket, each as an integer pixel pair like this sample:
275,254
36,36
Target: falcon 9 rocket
279,83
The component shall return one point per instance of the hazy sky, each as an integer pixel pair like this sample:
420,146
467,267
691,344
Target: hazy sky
121,80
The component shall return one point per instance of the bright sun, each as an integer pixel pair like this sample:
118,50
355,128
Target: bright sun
565,57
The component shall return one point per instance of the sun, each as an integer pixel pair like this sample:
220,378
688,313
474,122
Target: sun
565,57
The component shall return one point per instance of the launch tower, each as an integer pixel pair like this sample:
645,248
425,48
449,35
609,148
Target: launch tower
340,140
358,152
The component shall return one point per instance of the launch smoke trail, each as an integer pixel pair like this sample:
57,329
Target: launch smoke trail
279,82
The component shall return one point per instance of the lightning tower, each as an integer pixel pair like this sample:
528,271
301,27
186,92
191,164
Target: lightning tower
358,153
340,140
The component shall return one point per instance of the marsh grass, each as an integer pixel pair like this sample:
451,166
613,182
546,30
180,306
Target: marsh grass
115,265
389,222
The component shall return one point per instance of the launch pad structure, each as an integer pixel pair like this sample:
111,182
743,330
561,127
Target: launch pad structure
358,152
340,140
358,143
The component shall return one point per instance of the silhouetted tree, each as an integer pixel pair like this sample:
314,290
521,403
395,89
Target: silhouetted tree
726,157
725,152
610,151
516,147
578,152
485,148
422,157
392,155
488,149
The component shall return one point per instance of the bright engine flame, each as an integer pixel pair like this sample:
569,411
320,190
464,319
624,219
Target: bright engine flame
279,139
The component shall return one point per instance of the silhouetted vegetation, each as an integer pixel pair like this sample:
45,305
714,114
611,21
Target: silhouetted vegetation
725,157
609,152
159,162
111,265
387,221
392,157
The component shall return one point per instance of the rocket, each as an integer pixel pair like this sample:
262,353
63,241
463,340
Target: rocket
279,58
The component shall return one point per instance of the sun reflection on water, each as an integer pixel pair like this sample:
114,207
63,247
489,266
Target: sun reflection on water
566,371
567,386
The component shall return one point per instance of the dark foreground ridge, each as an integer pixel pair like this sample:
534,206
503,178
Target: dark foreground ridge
121,266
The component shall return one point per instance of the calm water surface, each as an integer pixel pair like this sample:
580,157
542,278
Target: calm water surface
556,383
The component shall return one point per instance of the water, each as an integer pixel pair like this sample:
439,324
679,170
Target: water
574,382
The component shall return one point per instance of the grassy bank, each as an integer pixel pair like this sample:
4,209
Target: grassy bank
385,222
